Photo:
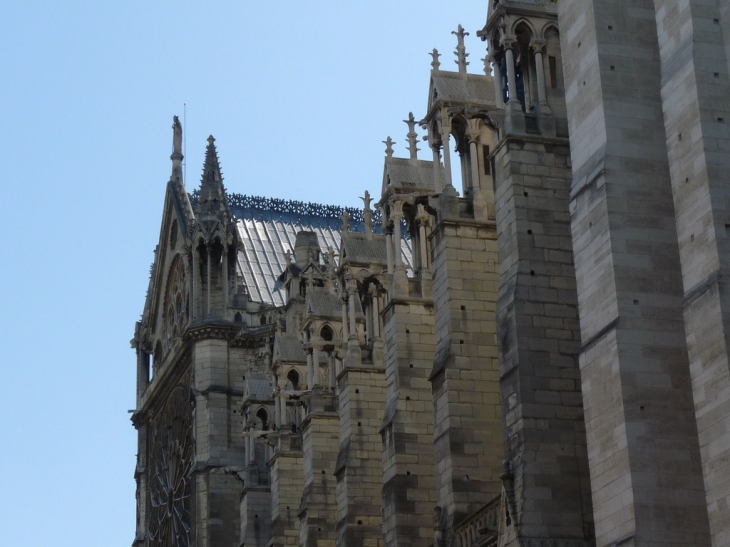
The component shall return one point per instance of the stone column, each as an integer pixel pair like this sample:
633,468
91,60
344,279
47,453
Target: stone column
354,353
498,91
537,47
435,148
375,311
508,42
224,278
209,280
331,372
345,330
310,368
251,445
445,128
195,283
316,348
389,246
396,216
277,409
422,218
483,206
282,408
351,295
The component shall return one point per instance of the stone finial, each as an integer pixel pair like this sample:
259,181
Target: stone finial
345,222
367,213
422,215
288,256
487,60
412,136
177,155
330,254
176,135
460,52
388,147
435,63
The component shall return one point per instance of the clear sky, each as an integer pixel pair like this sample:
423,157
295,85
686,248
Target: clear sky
299,96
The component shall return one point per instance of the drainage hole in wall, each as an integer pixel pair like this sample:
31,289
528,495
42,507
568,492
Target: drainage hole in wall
532,272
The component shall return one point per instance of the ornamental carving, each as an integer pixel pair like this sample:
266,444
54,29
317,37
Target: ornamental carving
242,205
172,457
176,302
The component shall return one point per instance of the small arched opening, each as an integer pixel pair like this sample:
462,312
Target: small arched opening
292,380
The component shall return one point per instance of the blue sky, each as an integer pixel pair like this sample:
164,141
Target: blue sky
299,96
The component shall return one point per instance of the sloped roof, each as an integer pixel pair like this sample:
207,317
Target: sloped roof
360,248
267,229
407,174
258,388
475,89
323,302
289,348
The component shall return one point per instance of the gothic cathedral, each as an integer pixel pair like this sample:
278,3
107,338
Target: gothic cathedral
535,358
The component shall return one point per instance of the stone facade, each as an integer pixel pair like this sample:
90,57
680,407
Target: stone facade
535,358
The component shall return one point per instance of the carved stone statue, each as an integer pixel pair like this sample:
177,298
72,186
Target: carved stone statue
176,135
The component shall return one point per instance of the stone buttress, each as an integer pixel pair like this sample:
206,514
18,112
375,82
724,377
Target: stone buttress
361,387
642,437
693,47
459,238
409,483
546,484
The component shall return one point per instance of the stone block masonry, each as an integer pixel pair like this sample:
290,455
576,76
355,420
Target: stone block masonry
547,479
695,93
409,483
642,437
468,432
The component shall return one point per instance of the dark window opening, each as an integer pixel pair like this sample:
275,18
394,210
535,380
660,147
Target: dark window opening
553,62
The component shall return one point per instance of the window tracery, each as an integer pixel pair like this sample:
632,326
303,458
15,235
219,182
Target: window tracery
176,302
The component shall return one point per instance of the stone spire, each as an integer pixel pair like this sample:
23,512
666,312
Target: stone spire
388,147
212,201
460,52
412,136
177,155
367,214
435,63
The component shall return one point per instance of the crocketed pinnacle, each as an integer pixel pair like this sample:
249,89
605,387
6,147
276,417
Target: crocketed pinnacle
212,201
